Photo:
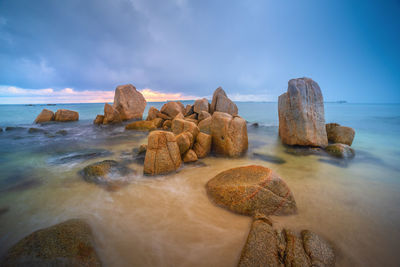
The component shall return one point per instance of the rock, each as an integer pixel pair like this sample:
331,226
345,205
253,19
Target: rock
99,119
66,115
141,126
250,189
70,243
179,126
158,122
172,108
164,116
319,250
268,158
294,253
202,146
340,134
142,149
340,151
301,114
188,110
79,156
36,130
111,115
107,172
162,154
45,116
179,116
62,132
205,125
152,114
203,115
255,125
229,135
167,124
221,102
184,141
200,105
14,128
192,116
192,120
190,156
129,102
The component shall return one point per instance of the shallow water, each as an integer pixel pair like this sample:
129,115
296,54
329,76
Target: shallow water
169,221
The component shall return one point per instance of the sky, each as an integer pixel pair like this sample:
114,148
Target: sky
80,51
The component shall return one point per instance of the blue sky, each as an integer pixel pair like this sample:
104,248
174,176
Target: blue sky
79,51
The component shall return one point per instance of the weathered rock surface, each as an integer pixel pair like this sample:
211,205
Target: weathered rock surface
158,122
229,135
179,126
221,102
251,189
129,102
301,114
190,156
66,244
203,115
188,110
179,116
340,134
340,151
45,116
108,173
205,125
162,155
173,108
200,105
141,126
184,141
65,115
99,119
202,146
111,115
320,252
167,124
152,114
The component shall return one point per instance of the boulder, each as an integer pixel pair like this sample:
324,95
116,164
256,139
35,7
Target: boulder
295,254
64,115
45,116
229,134
142,149
301,114
340,151
162,155
251,189
318,249
167,124
205,125
184,141
190,156
111,115
221,102
70,243
203,115
200,105
164,116
192,116
129,102
188,110
99,119
179,126
158,122
107,172
179,116
340,134
173,108
202,146
152,114
141,126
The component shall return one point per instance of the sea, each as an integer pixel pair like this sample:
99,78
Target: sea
169,220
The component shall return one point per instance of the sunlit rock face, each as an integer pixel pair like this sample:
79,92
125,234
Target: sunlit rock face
129,102
301,114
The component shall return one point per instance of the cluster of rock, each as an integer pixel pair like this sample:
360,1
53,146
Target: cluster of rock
259,192
61,115
188,133
302,120
128,104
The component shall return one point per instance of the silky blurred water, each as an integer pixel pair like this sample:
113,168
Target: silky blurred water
168,220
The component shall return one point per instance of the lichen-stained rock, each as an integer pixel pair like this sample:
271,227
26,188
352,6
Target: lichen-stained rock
205,125
301,114
69,243
152,114
65,115
158,122
111,115
179,126
250,189
99,119
200,105
221,102
162,155
340,151
129,102
295,254
229,134
173,108
340,134
184,141
202,146
203,115
190,156
45,116
141,126
318,249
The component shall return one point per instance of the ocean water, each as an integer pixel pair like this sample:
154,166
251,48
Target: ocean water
168,220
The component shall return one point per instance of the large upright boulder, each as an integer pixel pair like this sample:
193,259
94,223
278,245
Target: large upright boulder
172,108
65,115
301,114
200,105
129,102
162,155
111,115
45,116
221,102
229,134
70,243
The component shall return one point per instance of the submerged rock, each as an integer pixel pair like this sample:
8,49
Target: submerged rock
69,243
301,114
107,172
45,116
221,102
251,189
340,151
268,158
340,134
33,130
65,115
82,155
129,102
